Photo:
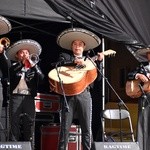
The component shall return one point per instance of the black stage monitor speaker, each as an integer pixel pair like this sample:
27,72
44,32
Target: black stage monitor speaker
15,146
115,146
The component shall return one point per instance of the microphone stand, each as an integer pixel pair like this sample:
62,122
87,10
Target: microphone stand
65,107
121,102
143,108
7,86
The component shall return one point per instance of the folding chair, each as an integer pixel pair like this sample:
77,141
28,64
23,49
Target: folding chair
120,116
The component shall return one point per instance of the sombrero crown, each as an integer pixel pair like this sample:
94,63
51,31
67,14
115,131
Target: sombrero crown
66,38
5,25
143,51
31,45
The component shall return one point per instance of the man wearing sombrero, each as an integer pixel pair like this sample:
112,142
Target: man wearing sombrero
77,40
25,76
5,27
142,75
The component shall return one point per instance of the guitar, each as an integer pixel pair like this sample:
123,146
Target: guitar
74,80
133,90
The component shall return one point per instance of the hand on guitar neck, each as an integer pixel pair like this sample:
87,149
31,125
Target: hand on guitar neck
100,55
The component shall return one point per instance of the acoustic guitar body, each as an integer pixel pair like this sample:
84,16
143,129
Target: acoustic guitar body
133,89
74,80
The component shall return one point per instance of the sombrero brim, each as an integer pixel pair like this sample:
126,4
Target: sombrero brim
5,25
66,38
31,45
143,51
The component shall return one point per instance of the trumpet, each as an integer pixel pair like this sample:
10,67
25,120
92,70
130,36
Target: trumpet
33,59
5,42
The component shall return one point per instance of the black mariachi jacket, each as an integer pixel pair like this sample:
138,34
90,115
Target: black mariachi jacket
33,76
140,69
4,66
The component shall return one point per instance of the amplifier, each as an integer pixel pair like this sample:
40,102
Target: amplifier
115,146
47,103
15,145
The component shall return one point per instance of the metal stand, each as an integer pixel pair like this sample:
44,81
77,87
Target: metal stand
143,109
4,125
65,107
6,96
120,103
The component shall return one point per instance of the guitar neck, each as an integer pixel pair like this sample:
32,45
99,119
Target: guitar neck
105,53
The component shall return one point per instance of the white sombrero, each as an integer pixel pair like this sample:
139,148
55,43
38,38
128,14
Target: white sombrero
66,38
31,45
143,51
5,25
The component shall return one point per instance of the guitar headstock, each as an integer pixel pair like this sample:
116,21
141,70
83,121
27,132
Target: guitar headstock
109,52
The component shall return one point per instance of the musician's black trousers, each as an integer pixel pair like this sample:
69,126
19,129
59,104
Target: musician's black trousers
81,106
22,116
143,131
1,98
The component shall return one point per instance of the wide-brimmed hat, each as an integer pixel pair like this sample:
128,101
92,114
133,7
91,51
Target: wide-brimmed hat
5,25
31,45
143,51
66,38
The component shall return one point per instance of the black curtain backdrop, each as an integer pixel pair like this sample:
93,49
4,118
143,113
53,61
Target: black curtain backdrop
29,9
123,21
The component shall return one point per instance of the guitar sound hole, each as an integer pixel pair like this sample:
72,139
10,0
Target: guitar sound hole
66,74
80,66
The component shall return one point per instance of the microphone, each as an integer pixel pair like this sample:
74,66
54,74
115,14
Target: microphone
87,54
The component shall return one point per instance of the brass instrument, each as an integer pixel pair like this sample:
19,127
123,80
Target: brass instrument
33,59
5,42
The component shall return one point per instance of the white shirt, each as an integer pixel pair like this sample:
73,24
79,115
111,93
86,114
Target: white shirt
22,87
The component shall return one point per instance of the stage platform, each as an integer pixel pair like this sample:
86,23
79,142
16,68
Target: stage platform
49,115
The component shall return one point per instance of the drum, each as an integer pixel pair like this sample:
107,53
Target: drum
50,137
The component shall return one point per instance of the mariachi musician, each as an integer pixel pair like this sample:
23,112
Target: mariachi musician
76,40
5,27
25,76
141,76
